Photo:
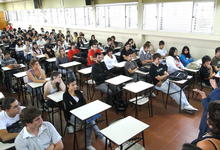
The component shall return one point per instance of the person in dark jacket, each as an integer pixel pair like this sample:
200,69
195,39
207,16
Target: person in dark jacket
73,99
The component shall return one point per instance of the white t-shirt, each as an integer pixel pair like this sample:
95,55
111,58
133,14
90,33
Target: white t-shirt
6,121
110,62
162,52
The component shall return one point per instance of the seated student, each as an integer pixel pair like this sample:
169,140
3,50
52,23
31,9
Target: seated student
109,44
73,99
213,95
211,141
79,42
92,40
152,51
73,51
145,55
82,36
159,77
75,36
185,56
172,61
36,74
206,72
41,42
36,50
10,62
59,45
61,59
114,42
216,60
126,50
161,50
9,117
110,60
19,48
37,134
49,53
94,49
132,43
55,84
27,51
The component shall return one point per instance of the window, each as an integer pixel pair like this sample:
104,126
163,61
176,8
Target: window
131,16
150,17
186,16
89,15
117,16
203,17
60,17
70,16
80,18
102,16
175,16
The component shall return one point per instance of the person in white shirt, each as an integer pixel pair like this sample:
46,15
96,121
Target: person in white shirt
110,59
27,51
19,48
161,50
8,116
173,62
41,42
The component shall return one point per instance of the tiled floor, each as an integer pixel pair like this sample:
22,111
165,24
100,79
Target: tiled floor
168,130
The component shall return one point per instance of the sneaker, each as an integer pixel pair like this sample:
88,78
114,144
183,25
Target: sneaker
90,147
70,129
190,107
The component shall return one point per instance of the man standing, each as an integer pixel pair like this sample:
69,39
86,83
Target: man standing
37,134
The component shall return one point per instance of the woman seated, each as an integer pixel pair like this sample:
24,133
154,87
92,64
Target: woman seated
211,141
55,84
73,99
185,56
36,50
49,53
206,72
173,61
61,59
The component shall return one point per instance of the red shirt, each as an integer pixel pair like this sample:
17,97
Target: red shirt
71,53
9,27
92,53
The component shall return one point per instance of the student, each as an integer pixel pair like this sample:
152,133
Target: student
55,84
145,55
73,51
94,49
41,42
82,36
109,44
37,134
9,116
126,50
61,59
132,43
216,60
185,56
159,77
206,72
36,50
19,48
173,62
114,42
27,51
211,141
92,40
73,99
10,62
59,46
213,95
69,36
36,74
161,50
79,42
49,53
75,36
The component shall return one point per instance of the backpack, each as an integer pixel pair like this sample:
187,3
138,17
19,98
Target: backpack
178,75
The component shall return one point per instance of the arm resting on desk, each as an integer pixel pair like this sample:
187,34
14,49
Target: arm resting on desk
5,135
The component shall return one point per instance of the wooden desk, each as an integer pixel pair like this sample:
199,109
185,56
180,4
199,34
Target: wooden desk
123,130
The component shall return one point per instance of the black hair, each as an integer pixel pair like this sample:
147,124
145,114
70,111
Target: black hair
28,114
205,59
109,39
95,43
161,42
217,50
73,43
214,117
156,55
188,146
187,55
96,54
109,49
172,51
7,52
6,104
